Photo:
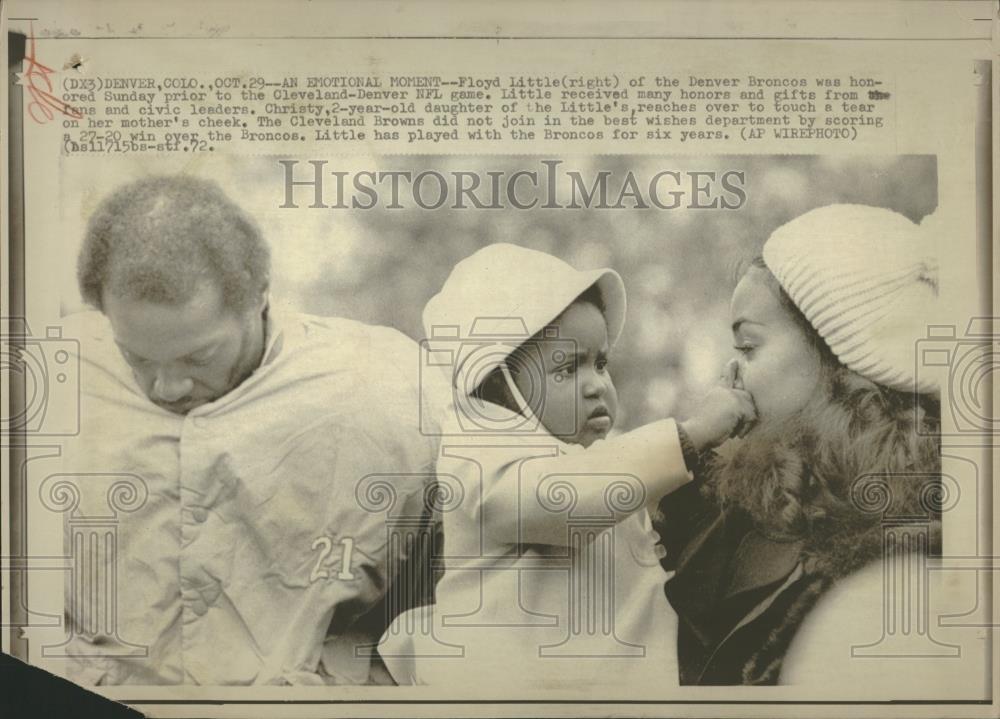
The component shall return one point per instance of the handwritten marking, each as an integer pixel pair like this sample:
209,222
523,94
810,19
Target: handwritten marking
39,86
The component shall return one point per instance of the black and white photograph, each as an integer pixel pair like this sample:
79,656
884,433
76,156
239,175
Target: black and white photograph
400,388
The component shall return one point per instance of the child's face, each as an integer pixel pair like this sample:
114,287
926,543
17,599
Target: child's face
578,391
778,364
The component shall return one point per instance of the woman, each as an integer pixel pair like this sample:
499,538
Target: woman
824,327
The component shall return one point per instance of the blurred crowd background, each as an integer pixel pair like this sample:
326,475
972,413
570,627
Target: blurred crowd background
381,266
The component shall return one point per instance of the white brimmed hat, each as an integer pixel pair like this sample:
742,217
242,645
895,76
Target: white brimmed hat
510,293
866,280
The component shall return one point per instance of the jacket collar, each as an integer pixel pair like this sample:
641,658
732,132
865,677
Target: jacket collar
728,558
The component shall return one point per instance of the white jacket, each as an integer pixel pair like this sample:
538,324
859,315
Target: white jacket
552,577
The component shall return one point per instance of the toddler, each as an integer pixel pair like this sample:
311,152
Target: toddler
552,575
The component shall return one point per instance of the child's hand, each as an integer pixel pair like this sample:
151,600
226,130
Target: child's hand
725,412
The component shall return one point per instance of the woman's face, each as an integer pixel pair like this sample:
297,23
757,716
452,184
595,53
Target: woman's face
778,364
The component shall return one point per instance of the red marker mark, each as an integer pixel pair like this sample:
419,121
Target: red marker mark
43,102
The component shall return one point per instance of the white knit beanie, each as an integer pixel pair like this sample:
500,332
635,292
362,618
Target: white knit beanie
866,280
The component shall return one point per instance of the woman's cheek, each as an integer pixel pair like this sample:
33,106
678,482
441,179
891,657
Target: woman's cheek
746,376
759,384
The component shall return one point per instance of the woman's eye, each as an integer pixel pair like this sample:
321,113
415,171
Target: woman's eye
744,349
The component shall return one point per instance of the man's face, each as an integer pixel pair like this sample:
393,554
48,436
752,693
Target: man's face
184,356
778,364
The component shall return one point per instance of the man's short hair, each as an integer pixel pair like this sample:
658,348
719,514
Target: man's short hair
157,239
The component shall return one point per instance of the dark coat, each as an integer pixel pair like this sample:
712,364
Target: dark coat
740,596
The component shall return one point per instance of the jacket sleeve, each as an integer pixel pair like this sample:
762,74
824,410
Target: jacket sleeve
531,491
680,516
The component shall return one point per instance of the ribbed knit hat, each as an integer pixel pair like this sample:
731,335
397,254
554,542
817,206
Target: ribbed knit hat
504,294
866,279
